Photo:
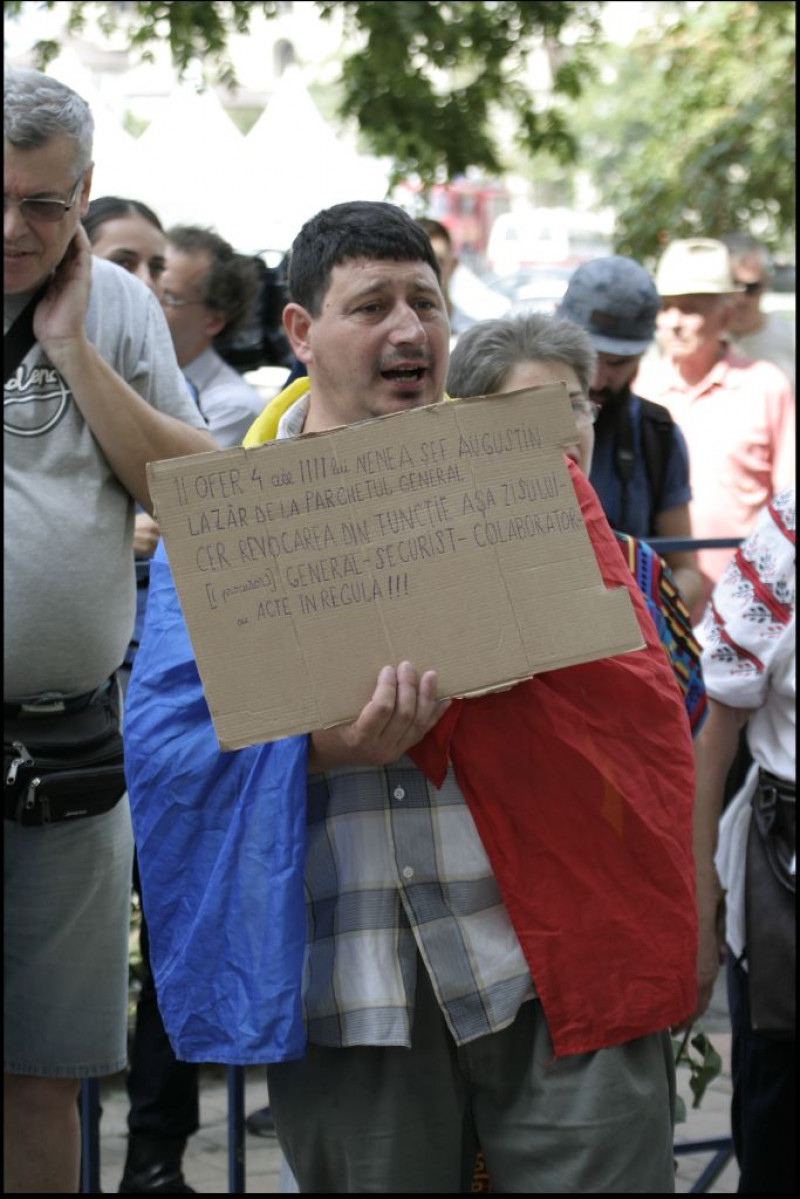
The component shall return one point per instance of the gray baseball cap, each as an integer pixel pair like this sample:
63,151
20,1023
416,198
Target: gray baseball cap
615,300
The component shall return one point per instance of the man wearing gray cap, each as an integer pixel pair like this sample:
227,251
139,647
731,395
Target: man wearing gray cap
737,415
640,468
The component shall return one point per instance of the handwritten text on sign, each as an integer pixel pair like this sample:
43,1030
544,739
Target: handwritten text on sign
440,535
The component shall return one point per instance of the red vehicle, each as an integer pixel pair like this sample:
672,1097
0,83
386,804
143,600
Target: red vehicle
467,208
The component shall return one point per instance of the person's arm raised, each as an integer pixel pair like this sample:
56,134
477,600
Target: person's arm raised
130,431
401,711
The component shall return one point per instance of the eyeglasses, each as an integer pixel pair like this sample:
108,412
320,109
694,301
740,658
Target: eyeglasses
170,300
46,211
750,289
584,409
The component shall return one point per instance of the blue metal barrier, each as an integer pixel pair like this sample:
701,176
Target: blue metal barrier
670,545
90,1133
90,1136
721,1147
236,1170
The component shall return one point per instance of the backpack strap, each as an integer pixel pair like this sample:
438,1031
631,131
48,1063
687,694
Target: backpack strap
624,456
657,441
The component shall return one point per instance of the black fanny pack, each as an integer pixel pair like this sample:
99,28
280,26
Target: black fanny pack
770,923
63,760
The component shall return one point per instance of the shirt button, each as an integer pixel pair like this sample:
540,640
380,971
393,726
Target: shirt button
399,793
408,872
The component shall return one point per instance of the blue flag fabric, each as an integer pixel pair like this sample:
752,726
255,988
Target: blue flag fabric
221,843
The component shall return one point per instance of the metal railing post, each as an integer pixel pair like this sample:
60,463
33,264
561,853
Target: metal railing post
236,1162
90,1136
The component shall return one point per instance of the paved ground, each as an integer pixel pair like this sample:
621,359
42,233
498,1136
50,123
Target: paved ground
206,1162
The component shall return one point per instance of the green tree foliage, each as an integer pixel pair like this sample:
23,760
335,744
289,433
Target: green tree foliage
692,130
427,80
433,77
193,30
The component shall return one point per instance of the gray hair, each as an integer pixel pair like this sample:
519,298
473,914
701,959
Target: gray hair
38,108
744,245
486,352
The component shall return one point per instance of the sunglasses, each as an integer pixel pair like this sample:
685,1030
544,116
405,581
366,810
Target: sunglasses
750,289
48,211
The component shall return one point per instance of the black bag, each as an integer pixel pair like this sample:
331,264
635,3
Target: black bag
63,760
770,906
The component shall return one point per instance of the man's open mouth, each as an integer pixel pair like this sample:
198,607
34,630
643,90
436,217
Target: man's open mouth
410,374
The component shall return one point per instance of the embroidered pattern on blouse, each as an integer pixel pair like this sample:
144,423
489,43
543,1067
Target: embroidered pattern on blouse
754,600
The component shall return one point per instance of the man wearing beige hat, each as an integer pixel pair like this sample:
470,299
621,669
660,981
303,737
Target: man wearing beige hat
736,414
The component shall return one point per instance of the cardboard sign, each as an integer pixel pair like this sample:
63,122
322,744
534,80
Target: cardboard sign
450,536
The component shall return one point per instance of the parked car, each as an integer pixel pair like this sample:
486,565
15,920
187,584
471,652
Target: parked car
534,289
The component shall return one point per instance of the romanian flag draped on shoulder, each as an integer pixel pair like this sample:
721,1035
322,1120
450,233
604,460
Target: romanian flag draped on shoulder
580,782
220,841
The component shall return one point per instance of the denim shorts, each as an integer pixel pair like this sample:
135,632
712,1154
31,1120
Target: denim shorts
67,926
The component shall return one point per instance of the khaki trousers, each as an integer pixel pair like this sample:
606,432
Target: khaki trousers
408,1121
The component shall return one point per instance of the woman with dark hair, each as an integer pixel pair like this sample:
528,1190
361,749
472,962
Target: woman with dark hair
163,1091
129,233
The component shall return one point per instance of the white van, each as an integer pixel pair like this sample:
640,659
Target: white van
553,236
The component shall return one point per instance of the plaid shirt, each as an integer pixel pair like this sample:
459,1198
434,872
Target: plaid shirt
395,867
395,871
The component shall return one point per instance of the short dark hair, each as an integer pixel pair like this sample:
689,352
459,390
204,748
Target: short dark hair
112,208
231,282
356,229
435,229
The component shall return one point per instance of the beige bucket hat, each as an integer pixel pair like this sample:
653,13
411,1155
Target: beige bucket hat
695,266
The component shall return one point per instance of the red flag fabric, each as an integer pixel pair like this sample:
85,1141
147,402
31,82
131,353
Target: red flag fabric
581,784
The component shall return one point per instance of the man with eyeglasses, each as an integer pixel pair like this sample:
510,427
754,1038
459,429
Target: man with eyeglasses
92,393
736,414
640,467
758,334
207,292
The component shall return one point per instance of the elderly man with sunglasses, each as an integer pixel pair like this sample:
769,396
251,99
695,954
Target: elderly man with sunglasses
92,393
758,334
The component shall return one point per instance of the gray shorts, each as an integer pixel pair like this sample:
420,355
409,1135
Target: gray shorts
67,927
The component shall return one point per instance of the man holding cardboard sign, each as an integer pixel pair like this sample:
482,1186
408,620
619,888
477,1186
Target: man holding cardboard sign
488,902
